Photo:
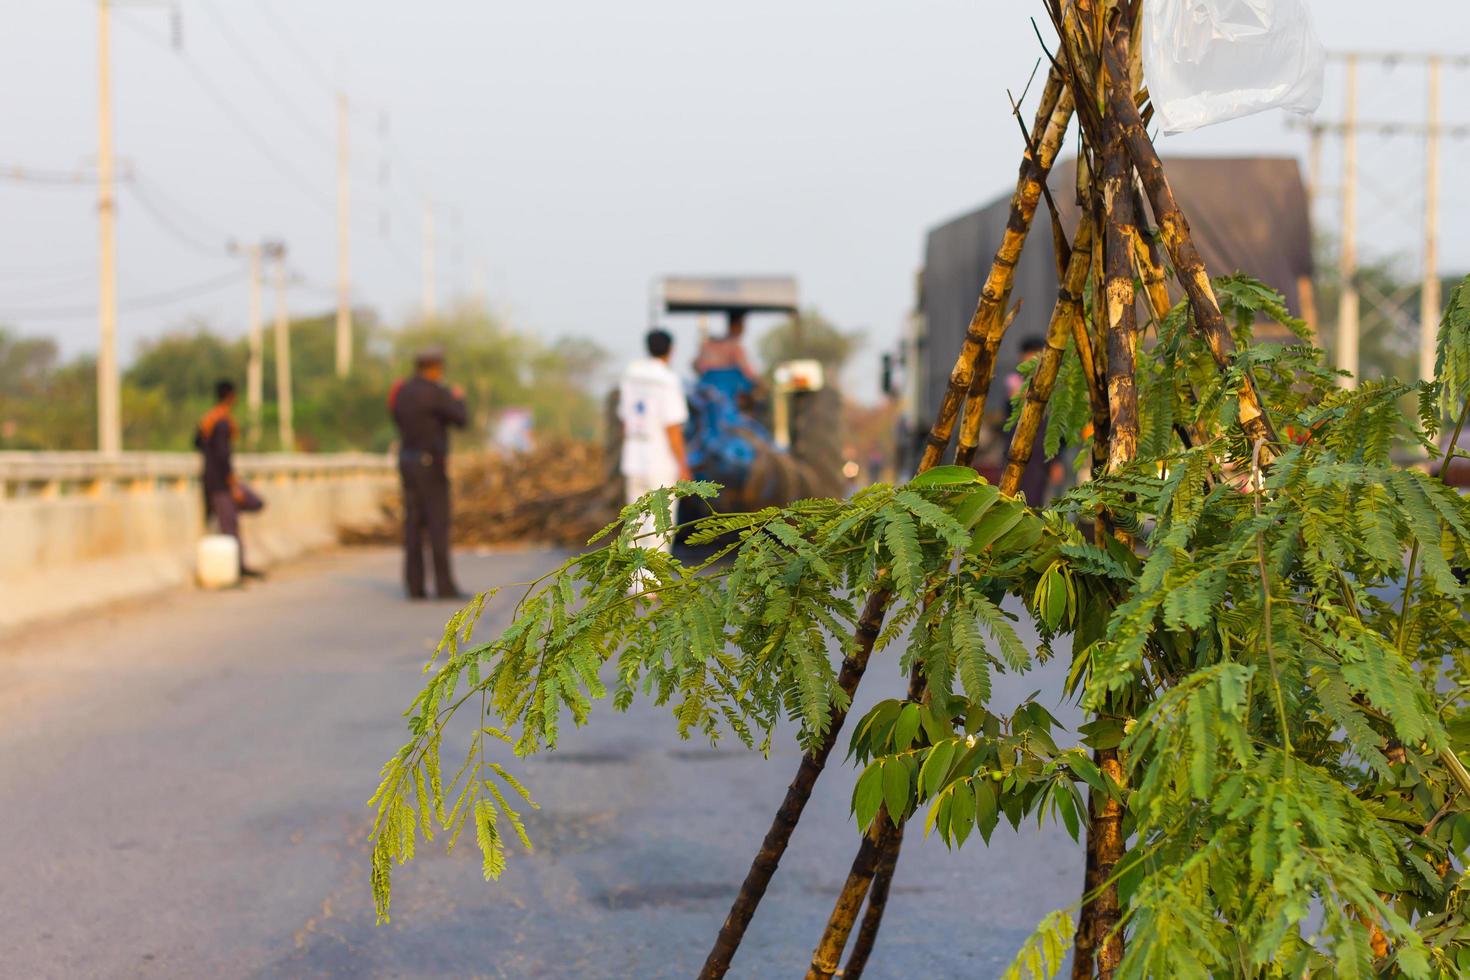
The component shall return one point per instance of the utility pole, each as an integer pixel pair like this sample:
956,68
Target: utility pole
482,284
344,243
1314,171
1429,306
1347,261
109,399
1350,128
430,306
255,366
283,353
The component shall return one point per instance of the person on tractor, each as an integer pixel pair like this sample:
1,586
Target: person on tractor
723,364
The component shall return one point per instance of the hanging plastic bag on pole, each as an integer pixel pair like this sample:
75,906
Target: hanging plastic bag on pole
1206,61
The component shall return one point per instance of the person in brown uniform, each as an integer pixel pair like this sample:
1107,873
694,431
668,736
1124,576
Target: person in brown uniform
424,408
225,496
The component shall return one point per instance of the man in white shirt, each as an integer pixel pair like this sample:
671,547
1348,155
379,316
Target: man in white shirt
653,410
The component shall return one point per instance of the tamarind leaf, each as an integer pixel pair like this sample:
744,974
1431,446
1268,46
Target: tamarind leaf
996,522
975,503
986,814
936,766
945,476
906,727
867,795
962,812
895,788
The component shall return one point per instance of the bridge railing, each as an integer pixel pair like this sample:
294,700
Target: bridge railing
80,530
63,474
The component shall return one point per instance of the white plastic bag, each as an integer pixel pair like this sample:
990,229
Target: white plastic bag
1206,61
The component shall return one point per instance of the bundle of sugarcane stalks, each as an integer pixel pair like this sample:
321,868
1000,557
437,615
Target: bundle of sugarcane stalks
559,493
1094,75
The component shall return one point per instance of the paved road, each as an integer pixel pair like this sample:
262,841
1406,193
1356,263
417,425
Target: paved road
182,786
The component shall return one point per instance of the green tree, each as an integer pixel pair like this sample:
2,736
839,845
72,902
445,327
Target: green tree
47,404
809,335
184,365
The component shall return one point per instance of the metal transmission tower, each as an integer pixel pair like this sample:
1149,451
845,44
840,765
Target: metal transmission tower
1354,290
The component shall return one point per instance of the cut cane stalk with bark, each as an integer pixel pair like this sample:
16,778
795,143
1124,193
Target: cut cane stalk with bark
964,454
1151,272
879,848
798,793
1150,265
996,293
1188,267
877,851
1101,913
1064,318
862,946
1119,297
1053,114
876,846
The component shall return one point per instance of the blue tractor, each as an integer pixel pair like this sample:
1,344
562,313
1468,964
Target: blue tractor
766,444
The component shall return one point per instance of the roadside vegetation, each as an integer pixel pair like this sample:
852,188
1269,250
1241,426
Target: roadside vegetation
1260,594
50,403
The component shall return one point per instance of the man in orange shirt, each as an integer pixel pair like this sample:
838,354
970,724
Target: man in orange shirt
225,496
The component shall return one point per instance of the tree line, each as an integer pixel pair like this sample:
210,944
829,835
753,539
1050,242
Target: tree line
48,402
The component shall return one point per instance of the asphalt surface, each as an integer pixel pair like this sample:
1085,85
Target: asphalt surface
183,787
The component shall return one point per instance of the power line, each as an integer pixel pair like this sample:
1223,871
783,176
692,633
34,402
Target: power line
283,32
33,175
388,147
45,287
290,106
243,123
142,302
72,270
172,228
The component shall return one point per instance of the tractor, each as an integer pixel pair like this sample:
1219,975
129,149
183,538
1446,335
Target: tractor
778,442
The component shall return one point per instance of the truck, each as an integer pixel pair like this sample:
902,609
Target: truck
1247,214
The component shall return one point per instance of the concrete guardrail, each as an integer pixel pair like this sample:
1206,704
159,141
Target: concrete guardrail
80,530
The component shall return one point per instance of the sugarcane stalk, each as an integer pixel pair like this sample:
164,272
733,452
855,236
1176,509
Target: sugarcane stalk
1101,911
1055,103
1150,266
1099,937
876,845
879,847
877,857
1119,296
1102,422
1178,242
1065,314
964,454
993,298
862,946
753,889
1150,260
1053,114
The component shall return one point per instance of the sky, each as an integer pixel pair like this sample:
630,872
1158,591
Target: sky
572,151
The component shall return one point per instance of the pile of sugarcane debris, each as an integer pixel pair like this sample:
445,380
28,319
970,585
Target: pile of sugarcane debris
560,493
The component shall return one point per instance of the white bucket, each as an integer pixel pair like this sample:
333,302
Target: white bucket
219,561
